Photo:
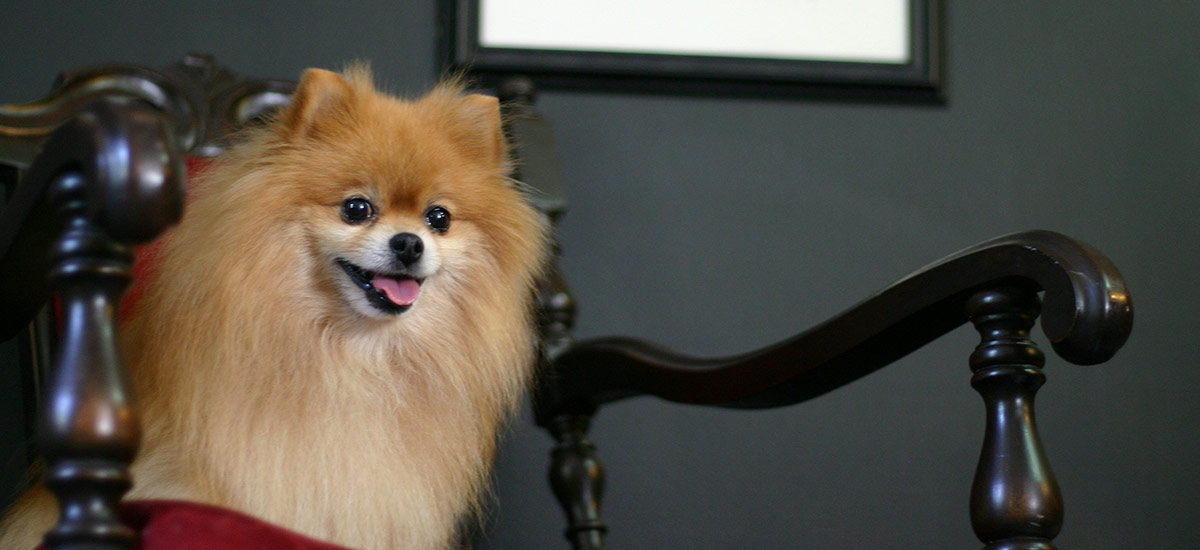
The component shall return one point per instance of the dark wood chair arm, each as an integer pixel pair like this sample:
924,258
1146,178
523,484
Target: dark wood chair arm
1015,502
200,103
115,165
1087,316
109,177
89,170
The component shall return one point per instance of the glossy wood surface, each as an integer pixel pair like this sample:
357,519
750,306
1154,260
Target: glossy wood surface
89,434
204,101
1015,500
577,479
133,174
108,178
1087,316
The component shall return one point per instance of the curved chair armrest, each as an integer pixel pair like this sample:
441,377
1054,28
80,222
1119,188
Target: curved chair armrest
108,178
122,164
1087,315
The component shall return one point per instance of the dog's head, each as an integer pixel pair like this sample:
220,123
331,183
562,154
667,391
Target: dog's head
402,204
392,259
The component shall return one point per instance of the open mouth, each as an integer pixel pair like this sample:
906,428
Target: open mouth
387,293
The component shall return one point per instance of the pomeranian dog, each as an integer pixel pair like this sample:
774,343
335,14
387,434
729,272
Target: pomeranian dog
340,324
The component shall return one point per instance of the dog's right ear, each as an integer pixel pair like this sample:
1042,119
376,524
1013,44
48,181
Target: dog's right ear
321,97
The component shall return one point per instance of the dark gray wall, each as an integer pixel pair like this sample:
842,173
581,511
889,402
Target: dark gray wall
718,225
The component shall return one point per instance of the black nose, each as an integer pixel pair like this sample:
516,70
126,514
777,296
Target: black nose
407,248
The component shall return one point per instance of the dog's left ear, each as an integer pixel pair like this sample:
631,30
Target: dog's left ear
321,97
481,130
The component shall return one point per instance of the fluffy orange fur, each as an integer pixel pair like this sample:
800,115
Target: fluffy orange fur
267,386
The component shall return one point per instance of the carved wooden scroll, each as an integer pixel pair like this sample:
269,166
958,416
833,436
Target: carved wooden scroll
205,102
1086,313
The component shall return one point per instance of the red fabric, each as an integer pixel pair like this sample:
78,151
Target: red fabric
145,259
176,525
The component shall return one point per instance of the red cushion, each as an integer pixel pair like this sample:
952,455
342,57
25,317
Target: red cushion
176,525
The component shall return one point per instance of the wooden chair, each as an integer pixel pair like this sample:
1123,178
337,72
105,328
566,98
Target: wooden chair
110,173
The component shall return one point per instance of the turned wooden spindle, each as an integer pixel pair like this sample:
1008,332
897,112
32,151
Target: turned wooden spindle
556,313
89,433
1015,500
576,474
577,477
106,179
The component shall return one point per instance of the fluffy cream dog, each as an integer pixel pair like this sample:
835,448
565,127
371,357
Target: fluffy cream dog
340,324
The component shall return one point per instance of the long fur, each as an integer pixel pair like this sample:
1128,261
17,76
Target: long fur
265,391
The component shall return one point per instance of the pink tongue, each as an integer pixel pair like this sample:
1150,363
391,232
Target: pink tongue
402,293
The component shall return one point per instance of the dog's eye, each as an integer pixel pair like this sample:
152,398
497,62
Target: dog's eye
357,210
438,219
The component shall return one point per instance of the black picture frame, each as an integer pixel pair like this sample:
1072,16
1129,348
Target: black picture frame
918,80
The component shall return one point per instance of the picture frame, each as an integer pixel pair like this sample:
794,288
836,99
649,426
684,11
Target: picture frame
861,49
